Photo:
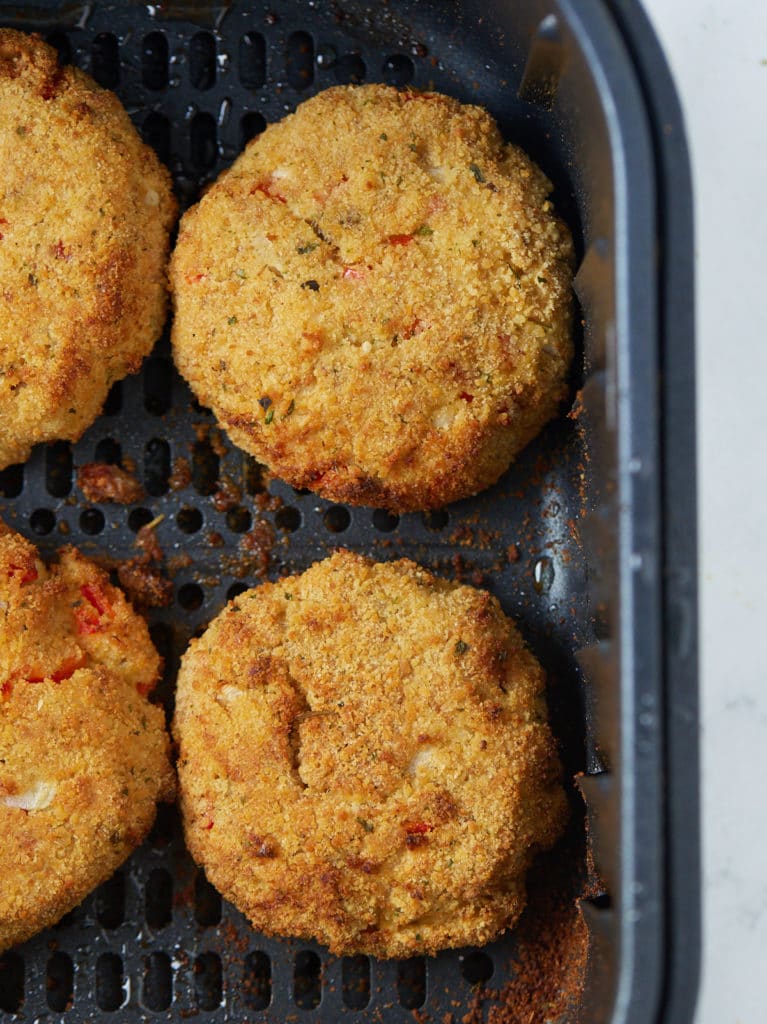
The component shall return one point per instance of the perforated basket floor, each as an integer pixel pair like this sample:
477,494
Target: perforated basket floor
156,942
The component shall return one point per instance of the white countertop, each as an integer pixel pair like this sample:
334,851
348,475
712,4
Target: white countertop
718,55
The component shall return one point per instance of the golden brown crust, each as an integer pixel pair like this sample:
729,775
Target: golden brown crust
84,756
364,758
85,212
375,298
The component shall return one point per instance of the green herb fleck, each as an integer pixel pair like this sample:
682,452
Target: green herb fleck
32,280
288,597
240,272
540,280
313,286
475,242
418,937
291,407
413,147
424,229
21,129
384,137
366,825
269,416
231,320
302,250
461,647
479,176
399,181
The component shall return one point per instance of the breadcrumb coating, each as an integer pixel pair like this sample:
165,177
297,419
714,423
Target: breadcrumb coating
85,212
375,299
365,759
84,755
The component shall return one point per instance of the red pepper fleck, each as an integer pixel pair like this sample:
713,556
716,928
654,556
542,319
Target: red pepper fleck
144,689
265,187
66,670
2,221
466,396
89,619
28,573
61,252
400,239
413,328
208,826
418,828
355,273
5,689
195,278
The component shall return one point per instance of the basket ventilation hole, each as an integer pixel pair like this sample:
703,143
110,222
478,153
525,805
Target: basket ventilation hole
154,61
239,520
108,450
164,826
337,518
411,982
257,981
203,148
42,521
299,60
202,60
205,468
435,520
350,69
385,521
105,60
158,378
156,133
110,901
59,979
114,400
253,476
252,62
12,481
251,125
110,993
92,521
157,987
307,980
11,982
476,968
58,469
190,597
188,520
156,466
158,899
162,638
138,517
287,518
544,66
235,590
398,70
207,902
355,982
60,42
208,981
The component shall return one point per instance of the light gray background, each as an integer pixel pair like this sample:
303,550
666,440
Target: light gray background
718,55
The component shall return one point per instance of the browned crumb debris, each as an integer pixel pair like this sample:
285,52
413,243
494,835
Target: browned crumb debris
143,579
101,482
181,475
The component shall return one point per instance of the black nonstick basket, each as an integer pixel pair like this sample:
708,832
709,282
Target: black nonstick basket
589,540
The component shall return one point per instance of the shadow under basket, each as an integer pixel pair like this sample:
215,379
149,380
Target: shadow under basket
588,541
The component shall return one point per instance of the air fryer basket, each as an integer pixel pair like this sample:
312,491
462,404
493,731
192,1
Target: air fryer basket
588,540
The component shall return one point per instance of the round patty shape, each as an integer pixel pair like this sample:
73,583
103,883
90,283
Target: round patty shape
375,299
83,753
85,211
365,760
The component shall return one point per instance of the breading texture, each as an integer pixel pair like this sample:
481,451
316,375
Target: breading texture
375,299
365,759
85,213
84,755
